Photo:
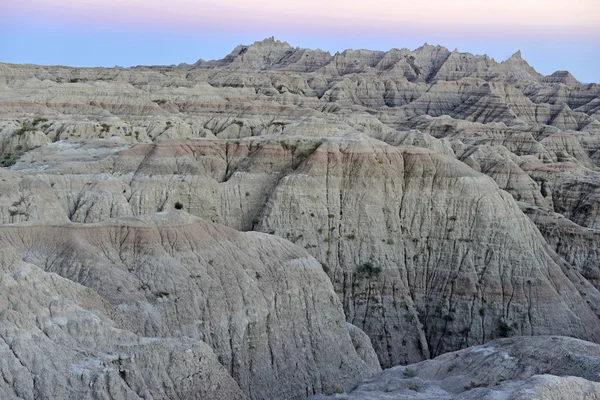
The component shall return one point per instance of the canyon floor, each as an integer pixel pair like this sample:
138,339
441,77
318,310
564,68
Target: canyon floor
285,223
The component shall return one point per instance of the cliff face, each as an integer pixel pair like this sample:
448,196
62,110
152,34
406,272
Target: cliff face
450,200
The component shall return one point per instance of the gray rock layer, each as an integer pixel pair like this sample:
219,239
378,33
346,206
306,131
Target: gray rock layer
545,367
263,305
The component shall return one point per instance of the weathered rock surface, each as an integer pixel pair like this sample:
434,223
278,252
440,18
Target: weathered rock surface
263,305
545,367
57,340
419,277
398,171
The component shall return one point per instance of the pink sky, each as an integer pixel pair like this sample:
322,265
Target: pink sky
552,34
536,17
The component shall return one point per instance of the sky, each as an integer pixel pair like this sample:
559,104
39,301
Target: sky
551,34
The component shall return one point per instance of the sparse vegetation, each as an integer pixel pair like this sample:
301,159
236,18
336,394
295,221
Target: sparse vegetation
367,270
178,206
105,128
9,159
38,120
504,329
409,373
351,236
24,129
160,102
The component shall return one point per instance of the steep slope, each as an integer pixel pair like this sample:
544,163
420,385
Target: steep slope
57,340
263,305
426,254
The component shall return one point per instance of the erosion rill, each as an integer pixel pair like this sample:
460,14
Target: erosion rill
285,222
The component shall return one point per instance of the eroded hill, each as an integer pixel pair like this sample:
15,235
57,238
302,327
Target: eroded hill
451,199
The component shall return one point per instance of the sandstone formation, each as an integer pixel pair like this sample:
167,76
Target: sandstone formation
451,200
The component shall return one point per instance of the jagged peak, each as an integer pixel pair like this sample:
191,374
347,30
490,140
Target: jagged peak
270,42
516,56
427,46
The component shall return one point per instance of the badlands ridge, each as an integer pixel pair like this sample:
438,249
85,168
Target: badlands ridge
284,223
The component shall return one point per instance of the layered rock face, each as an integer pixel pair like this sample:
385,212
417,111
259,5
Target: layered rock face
426,254
450,199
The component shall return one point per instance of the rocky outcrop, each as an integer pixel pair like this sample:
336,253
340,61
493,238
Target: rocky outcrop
546,367
57,340
263,305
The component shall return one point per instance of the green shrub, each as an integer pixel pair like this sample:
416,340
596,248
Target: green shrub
24,129
178,206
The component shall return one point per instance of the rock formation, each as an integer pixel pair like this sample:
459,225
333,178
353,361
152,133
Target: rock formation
450,199
543,367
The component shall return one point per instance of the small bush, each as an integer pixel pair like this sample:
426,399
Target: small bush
24,129
367,270
160,102
38,120
351,236
409,373
390,241
330,215
178,206
9,159
504,329
325,268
